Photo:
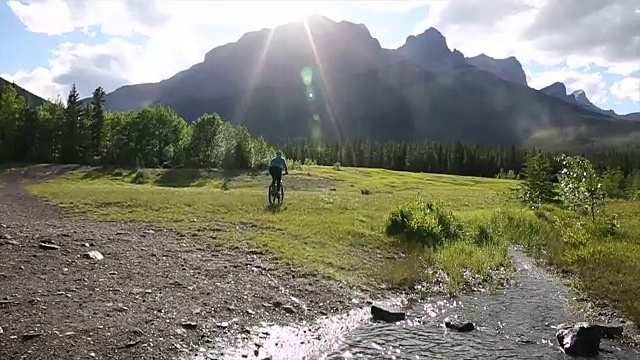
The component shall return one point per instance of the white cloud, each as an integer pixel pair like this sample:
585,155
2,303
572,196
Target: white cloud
178,34
573,34
502,28
627,88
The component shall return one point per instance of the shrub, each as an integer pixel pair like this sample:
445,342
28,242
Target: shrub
537,187
141,176
365,191
225,184
424,223
614,184
336,166
581,187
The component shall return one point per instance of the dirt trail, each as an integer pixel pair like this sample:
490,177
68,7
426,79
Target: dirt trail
155,294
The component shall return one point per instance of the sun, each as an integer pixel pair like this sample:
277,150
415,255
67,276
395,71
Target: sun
292,11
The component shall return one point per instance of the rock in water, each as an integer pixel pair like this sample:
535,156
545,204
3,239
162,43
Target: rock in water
466,327
380,314
583,339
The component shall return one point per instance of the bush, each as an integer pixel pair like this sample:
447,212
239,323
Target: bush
537,187
142,176
614,184
580,186
365,191
424,223
336,166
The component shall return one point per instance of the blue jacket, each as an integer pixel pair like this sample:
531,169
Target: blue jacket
279,162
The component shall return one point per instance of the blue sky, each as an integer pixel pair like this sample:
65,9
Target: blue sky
45,45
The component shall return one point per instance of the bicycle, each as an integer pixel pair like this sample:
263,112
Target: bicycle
273,193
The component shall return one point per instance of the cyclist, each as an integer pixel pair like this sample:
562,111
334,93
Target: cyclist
275,169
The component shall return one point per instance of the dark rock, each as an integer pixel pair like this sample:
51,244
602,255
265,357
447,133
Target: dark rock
48,246
466,327
288,309
31,335
583,339
189,325
380,314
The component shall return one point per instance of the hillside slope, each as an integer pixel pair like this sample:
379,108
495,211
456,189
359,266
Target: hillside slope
34,100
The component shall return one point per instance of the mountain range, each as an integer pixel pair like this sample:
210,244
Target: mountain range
332,80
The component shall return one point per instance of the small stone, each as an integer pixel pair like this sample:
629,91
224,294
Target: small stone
466,327
149,232
1,331
31,335
223,325
68,333
7,236
189,325
288,309
380,314
12,242
48,246
93,254
251,312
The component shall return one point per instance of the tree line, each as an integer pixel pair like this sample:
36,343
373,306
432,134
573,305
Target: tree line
151,137
451,158
157,136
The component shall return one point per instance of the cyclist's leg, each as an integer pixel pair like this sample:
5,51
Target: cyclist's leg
272,172
279,179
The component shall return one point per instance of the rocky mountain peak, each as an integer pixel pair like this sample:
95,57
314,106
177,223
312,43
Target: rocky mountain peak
430,50
557,89
509,68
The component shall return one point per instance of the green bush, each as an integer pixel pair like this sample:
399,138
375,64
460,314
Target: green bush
141,176
424,223
365,191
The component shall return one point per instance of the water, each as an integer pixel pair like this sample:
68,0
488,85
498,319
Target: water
517,322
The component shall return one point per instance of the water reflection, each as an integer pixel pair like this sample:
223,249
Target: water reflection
516,322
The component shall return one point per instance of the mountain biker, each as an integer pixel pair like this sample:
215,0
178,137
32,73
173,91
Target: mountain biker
276,166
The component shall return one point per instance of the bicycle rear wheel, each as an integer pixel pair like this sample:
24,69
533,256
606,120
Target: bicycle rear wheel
272,194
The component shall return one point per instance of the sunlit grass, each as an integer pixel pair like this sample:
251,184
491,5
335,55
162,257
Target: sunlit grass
333,223
326,224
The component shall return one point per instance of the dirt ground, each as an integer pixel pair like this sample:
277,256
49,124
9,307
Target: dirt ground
153,295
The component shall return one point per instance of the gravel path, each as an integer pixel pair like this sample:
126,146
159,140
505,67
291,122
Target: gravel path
154,294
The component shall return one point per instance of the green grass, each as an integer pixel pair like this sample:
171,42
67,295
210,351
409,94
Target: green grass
333,223
327,224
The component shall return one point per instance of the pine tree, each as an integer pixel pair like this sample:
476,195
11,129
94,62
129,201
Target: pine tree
97,106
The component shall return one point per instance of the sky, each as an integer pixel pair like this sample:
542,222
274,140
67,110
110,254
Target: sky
47,45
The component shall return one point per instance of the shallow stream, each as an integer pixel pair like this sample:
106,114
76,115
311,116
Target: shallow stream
513,323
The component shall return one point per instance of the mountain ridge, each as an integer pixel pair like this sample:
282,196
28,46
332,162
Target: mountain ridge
421,90
34,100
579,97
